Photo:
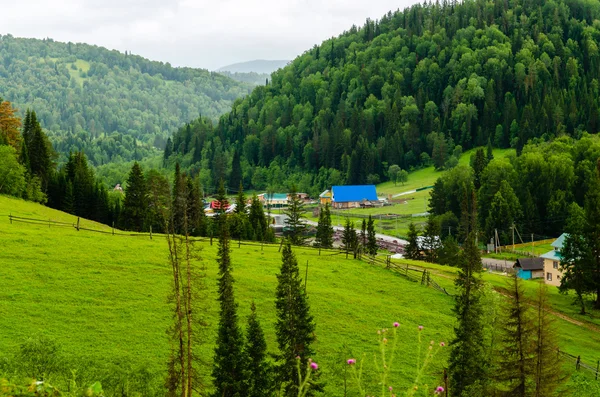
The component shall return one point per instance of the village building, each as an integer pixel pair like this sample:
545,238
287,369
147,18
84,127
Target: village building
274,200
529,268
355,196
118,188
325,197
552,271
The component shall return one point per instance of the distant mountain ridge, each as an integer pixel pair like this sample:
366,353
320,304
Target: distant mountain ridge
114,106
260,66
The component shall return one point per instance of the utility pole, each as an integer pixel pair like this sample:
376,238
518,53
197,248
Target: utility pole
513,235
532,251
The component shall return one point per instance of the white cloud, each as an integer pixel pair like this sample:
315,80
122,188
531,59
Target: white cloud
197,33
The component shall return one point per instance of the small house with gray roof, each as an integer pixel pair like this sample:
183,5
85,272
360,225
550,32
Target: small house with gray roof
529,268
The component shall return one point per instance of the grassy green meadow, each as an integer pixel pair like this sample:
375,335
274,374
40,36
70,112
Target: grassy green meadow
103,299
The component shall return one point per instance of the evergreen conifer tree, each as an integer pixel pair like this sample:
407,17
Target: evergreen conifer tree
431,239
295,326
235,178
449,254
260,376
575,257
168,151
412,249
592,233
229,371
39,152
295,222
548,366
349,237
517,364
324,238
363,234
258,220
467,369
195,208
135,203
371,237
489,151
479,164
240,201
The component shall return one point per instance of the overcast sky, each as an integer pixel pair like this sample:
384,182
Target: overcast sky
196,33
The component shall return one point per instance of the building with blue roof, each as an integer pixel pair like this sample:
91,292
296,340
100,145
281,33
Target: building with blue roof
552,271
353,196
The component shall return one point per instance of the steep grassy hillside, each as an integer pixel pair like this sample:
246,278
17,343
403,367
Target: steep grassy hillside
115,106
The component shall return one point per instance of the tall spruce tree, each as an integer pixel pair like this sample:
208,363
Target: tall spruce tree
517,364
592,232
257,219
135,204
40,151
576,261
235,178
229,371
431,239
548,374
295,326
412,249
196,218
295,222
371,237
349,237
260,371
468,371
363,235
324,238
479,164
240,201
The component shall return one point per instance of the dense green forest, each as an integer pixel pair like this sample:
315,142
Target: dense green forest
532,192
407,90
111,105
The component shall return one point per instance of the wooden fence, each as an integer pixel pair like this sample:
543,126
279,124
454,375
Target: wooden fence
579,365
412,273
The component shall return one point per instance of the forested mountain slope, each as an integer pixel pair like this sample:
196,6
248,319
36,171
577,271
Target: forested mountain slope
114,106
406,90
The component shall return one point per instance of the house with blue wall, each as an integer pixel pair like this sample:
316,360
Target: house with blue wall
529,268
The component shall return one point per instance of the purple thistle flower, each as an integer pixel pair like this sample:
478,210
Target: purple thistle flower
314,366
420,328
442,344
439,390
351,361
396,324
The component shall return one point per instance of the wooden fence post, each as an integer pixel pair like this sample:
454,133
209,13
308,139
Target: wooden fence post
597,369
150,232
77,223
113,228
578,364
10,217
281,244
